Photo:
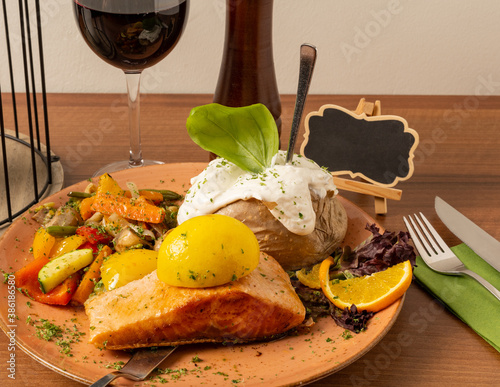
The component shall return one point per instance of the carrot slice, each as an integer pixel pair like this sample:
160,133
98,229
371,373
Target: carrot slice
90,278
136,209
154,196
30,271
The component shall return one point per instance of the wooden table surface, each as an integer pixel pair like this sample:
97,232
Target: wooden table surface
458,160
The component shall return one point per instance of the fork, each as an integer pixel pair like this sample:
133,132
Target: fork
142,363
436,254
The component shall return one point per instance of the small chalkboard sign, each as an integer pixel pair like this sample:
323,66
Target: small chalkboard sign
378,148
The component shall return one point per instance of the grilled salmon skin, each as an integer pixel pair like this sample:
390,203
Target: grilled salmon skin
148,312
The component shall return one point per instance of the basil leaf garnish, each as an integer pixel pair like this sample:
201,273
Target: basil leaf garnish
246,136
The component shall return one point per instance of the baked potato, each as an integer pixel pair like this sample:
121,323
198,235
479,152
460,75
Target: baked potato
293,251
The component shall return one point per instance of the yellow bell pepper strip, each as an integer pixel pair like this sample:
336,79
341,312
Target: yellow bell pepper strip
66,245
42,243
86,210
108,185
130,265
136,209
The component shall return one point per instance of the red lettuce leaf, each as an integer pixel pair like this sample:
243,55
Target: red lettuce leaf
377,253
352,319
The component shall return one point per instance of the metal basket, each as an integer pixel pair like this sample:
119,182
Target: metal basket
26,162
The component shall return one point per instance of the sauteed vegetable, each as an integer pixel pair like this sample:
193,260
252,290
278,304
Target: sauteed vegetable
91,232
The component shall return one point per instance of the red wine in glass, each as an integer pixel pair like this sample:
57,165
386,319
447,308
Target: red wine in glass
131,35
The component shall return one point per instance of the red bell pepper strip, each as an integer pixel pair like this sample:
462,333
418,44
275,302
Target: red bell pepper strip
27,283
94,235
89,245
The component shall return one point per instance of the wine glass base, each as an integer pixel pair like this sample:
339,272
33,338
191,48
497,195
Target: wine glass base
121,165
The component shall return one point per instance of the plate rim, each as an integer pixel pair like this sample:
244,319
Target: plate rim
198,165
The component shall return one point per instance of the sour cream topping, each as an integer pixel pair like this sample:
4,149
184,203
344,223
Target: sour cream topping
284,188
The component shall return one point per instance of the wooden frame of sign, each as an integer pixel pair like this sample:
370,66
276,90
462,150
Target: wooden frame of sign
362,144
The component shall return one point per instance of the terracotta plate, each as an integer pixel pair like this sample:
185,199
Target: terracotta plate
289,361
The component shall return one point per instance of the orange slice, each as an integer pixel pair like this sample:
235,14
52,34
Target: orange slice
310,278
370,292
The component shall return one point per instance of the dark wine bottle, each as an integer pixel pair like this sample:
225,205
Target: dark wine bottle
247,73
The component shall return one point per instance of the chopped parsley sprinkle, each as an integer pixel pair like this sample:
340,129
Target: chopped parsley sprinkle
62,336
347,334
117,365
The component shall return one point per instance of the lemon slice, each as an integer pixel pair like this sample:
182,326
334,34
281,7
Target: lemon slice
370,292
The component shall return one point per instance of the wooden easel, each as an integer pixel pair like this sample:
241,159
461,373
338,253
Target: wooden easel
374,109
369,108
323,132
380,194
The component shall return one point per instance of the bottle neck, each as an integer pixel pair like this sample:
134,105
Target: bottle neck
249,25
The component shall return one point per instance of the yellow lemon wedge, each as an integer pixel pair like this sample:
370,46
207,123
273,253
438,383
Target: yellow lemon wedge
370,292
206,251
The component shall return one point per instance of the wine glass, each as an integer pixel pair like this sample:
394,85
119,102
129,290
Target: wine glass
131,35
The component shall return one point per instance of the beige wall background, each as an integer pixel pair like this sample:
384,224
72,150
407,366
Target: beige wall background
364,47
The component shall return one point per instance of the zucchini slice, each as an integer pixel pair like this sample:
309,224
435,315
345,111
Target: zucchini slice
58,269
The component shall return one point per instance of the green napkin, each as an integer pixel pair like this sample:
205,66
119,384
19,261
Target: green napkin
466,297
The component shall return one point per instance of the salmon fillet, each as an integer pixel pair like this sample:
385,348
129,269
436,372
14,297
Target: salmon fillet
148,312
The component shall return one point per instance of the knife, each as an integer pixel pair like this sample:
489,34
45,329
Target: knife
482,243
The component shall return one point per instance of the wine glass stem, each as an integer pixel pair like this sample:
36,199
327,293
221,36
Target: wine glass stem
134,114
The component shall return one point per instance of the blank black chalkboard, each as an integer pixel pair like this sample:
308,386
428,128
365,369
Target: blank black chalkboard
379,148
